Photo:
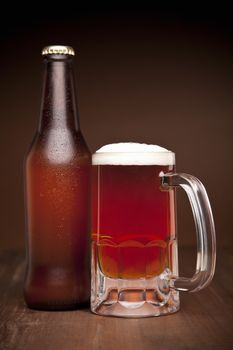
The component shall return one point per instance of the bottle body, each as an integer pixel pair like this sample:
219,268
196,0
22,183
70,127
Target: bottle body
57,193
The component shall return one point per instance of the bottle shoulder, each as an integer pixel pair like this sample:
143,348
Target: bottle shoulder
59,146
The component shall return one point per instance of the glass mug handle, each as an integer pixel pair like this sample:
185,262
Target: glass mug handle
205,232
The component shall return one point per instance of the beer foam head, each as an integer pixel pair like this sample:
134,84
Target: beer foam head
131,153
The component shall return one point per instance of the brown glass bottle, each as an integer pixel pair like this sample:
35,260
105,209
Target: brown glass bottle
57,195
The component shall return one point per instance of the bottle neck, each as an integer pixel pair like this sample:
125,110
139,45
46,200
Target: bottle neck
59,107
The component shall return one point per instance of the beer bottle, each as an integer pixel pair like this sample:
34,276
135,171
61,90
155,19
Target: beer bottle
57,195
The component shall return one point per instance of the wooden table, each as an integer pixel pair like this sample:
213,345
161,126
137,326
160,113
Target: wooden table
204,322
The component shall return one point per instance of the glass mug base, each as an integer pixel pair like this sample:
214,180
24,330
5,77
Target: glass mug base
139,297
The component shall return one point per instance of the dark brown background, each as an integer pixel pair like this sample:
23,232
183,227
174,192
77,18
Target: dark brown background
161,76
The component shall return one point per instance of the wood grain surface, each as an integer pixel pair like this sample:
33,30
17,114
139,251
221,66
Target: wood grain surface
205,320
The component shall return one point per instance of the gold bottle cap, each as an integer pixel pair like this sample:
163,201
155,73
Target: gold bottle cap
58,50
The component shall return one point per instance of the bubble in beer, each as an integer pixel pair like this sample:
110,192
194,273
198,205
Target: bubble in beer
132,153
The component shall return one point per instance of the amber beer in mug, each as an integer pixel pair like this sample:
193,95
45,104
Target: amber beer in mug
134,238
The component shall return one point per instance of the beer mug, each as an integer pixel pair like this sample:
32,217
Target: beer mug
134,238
